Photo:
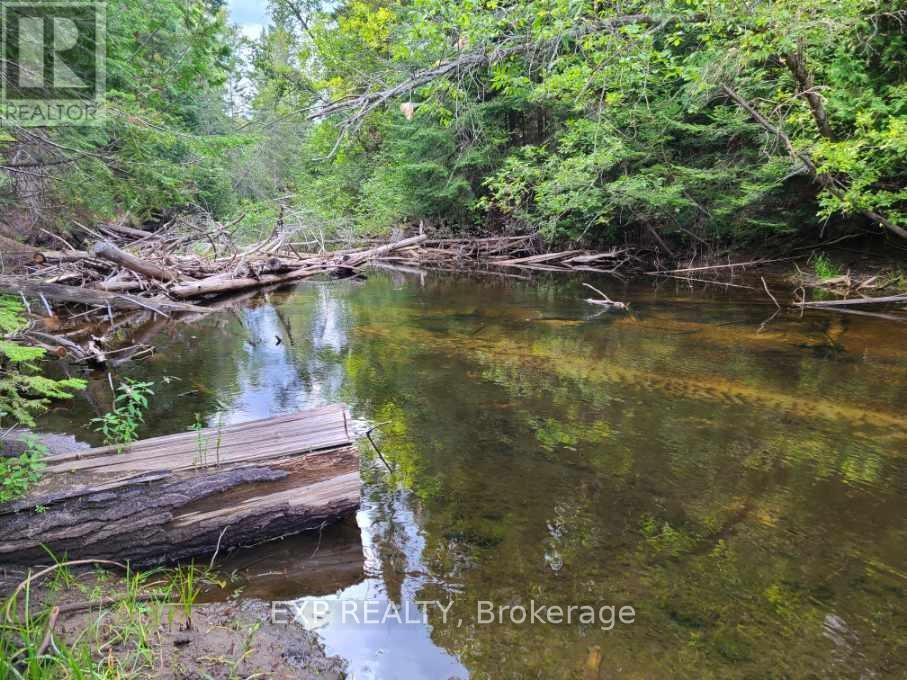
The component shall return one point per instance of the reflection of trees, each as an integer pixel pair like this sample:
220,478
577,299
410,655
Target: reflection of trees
739,493
626,468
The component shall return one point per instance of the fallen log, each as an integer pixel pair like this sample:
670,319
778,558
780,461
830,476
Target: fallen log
189,494
107,251
361,257
23,285
127,231
888,299
538,259
10,247
55,343
218,285
56,256
119,286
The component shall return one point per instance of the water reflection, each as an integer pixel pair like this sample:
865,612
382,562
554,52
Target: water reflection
741,487
396,648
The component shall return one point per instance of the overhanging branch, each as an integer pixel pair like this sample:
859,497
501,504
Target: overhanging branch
825,180
363,104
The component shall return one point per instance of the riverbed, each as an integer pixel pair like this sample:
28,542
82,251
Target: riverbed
737,479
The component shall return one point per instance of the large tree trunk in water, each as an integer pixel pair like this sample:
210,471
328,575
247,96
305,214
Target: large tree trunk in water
159,517
356,259
219,285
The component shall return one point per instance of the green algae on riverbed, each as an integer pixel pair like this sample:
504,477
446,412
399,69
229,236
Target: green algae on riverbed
743,488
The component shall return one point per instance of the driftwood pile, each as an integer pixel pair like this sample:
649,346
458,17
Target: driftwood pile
511,252
127,276
120,277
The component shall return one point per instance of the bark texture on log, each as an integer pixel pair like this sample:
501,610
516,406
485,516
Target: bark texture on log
356,259
183,494
108,251
159,518
218,285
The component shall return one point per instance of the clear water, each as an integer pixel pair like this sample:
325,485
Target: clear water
742,487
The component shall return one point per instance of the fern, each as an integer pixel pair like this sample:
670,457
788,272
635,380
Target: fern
20,354
24,392
11,319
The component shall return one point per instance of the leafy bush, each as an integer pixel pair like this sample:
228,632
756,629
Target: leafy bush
825,268
17,475
121,425
24,393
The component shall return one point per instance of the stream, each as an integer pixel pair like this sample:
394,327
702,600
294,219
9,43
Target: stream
743,487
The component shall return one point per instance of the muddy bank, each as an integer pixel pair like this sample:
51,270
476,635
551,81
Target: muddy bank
239,640
131,627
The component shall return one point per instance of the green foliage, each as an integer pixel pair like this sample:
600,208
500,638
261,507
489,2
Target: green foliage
585,131
120,426
825,268
17,475
593,133
11,318
24,393
187,588
167,137
123,642
203,444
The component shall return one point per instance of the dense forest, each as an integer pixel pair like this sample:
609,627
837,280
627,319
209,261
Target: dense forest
676,121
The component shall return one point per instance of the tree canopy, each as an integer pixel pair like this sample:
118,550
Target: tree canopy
579,119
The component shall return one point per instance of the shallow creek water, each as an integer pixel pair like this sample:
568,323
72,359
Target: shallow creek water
742,488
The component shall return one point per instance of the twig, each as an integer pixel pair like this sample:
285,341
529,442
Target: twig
856,301
705,281
318,545
105,602
859,312
607,302
769,293
49,635
217,548
590,286
368,435
726,266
